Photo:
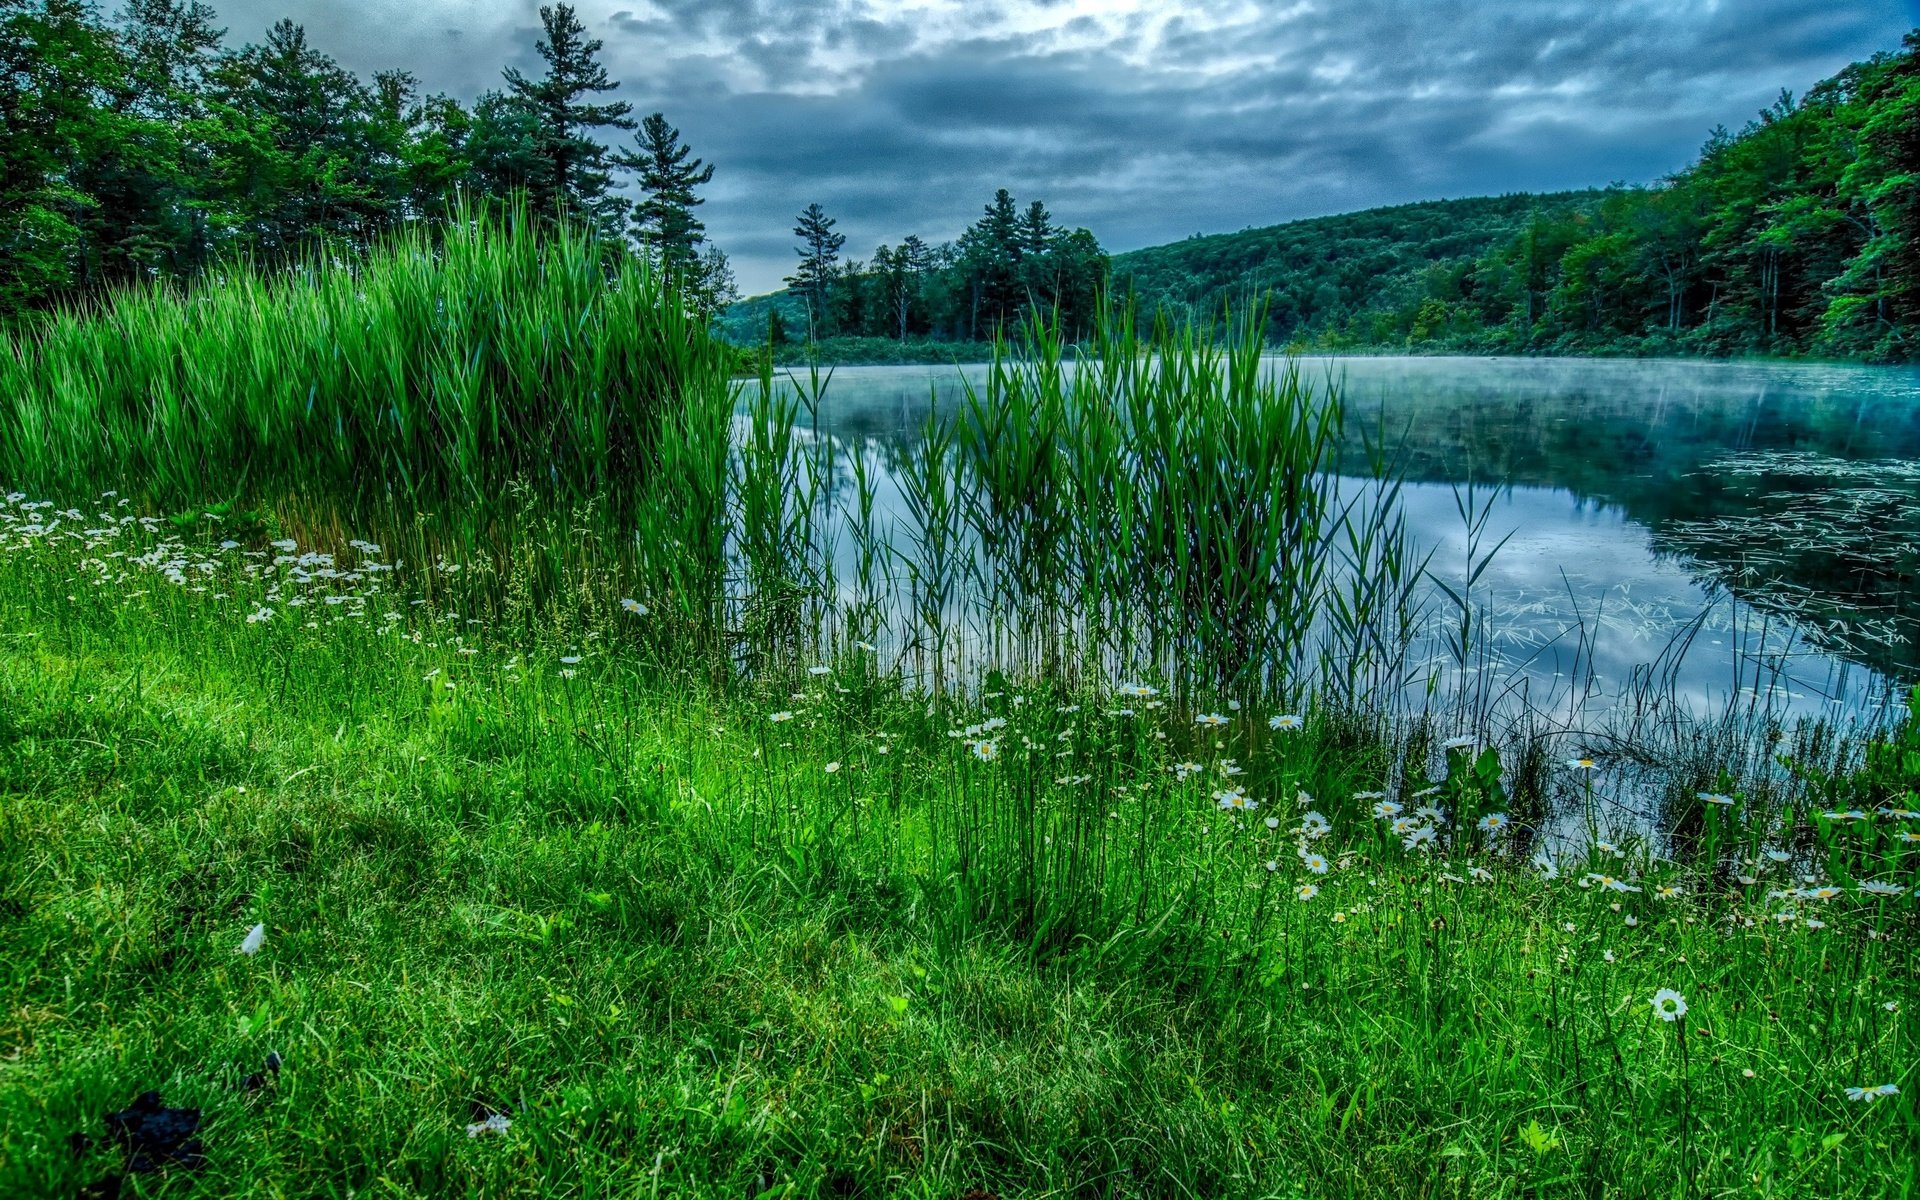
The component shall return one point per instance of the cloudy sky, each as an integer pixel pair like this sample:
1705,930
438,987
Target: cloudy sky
1144,120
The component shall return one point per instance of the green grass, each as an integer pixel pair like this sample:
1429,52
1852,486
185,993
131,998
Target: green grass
586,803
620,904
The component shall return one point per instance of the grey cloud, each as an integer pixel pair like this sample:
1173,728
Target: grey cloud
1167,128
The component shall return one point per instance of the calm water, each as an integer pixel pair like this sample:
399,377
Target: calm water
1725,528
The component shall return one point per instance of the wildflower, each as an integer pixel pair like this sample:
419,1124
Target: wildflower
1212,720
819,670
497,1123
1314,862
256,938
1435,815
1852,814
1666,891
986,751
1462,742
1273,864
569,659
1313,825
1632,920
1364,796
1307,891
781,717
1874,1092
833,768
1285,721
1819,893
1182,770
1607,955
1420,837
1815,923
1582,764
285,545
1876,887
1339,918
1405,825
1778,856
1481,874
1908,835
1234,798
1669,1005
634,606
1719,798
1493,823
259,614
1892,1006
1386,810
1273,822
1233,706
869,647
1138,691
1900,814
1545,864
1567,925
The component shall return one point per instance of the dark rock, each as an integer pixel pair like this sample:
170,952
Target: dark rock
153,1135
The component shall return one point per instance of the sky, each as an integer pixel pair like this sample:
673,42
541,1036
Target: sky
1145,121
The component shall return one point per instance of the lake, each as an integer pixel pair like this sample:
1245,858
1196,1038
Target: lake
1719,529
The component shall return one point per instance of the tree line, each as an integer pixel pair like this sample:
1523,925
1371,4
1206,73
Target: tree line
1005,265
1797,235
136,147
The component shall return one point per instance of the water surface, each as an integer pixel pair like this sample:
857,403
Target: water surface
1718,529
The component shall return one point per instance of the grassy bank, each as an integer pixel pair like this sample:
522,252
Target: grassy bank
460,764
814,936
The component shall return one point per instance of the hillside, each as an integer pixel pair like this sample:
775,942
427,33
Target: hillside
1319,269
1325,269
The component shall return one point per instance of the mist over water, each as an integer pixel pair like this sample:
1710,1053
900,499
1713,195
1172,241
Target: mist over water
1714,530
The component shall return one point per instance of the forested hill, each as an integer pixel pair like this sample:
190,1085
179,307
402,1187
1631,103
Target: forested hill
1797,235
1318,272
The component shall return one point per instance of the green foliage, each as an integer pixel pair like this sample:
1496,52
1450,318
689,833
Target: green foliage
1795,236
1316,275
431,372
626,910
1007,266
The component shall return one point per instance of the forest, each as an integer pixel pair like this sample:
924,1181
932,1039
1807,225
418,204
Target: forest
137,147
1797,235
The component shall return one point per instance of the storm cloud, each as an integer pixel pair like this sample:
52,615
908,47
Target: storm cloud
1144,120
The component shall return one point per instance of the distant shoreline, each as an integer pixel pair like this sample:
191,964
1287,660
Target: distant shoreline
862,353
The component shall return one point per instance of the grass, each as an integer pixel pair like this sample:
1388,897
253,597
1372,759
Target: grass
1076,843
643,920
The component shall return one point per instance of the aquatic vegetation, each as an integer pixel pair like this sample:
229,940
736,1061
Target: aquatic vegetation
1093,809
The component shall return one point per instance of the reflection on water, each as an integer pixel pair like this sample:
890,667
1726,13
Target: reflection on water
1720,529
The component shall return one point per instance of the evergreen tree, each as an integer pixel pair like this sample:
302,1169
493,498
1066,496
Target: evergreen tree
296,146
819,252
663,220
572,163
57,68
501,144
991,247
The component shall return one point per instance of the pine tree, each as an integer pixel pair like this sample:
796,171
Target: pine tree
819,258
663,220
992,249
573,164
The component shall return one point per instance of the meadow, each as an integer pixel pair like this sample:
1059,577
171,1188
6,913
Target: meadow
441,745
